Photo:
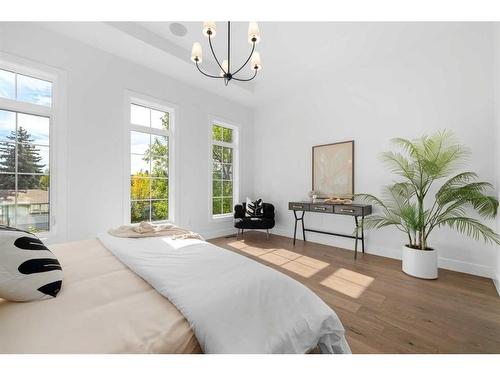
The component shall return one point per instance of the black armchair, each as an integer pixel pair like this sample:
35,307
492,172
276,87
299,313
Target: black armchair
242,222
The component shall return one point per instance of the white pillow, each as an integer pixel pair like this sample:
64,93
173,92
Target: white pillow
28,270
254,208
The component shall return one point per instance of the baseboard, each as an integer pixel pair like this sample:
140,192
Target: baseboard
465,267
388,252
218,233
497,285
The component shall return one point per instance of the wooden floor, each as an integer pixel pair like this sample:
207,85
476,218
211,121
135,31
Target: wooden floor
382,309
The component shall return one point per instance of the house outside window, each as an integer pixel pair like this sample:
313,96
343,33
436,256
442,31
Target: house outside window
26,111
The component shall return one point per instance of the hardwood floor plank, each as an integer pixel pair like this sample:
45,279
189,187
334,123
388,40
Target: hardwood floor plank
384,310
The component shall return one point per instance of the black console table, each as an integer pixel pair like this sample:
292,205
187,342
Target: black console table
355,210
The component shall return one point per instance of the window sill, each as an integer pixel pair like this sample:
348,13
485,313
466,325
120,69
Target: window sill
223,217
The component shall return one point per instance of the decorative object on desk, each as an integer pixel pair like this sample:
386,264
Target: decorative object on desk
337,200
333,169
422,163
312,195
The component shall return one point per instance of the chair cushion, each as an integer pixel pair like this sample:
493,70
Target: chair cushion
254,223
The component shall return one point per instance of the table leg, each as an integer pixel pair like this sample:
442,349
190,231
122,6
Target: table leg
363,234
295,228
356,240
303,229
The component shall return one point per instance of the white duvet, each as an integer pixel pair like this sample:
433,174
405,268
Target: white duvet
234,304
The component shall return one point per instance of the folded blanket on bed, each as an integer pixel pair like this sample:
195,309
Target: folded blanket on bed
233,303
145,229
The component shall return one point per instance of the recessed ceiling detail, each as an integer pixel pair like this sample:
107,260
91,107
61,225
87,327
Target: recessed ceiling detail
178,29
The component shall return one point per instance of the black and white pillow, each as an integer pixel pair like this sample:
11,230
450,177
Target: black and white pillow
28,270
254,208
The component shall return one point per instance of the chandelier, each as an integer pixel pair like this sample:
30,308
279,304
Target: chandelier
226,71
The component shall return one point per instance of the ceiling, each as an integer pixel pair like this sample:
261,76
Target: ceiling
293,53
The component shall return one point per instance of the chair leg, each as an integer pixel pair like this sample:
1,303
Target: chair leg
267,230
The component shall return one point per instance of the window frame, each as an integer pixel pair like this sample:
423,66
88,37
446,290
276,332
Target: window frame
236,165
56,113
160,105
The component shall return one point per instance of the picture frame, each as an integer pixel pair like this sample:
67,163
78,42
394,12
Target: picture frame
333,169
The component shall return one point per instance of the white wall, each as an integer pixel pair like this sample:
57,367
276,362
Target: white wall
96,82
443,82
496,276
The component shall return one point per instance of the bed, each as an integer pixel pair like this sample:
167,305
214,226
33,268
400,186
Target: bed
103,307
161,295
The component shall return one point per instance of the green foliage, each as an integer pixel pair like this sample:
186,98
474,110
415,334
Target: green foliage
222,173
28,161
45,181
165,120
144,186
216,206
405,204
222,134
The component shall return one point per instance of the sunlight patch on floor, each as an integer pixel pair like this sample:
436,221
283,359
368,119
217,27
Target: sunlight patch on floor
300,264
255,251
286,254
348,282
312,262
299,268
274,259
237,244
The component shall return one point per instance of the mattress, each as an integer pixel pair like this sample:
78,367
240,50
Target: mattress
103,307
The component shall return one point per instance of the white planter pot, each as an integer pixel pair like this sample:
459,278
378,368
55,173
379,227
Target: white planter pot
420,263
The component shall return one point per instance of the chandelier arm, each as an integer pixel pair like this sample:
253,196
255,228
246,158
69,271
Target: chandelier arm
246,79
213,53
205,74
246,62
228,46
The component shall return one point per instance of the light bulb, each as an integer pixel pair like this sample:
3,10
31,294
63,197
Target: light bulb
196,53
255,61
209,28
253,33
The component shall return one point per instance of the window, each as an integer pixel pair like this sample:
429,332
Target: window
25,89
224,156
150,148
25,126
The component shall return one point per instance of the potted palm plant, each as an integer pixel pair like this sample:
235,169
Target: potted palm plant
416,205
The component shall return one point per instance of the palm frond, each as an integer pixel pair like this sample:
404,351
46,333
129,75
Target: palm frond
442,154
400,165
472,228
410,147
380,221
457,181
369,199
470,194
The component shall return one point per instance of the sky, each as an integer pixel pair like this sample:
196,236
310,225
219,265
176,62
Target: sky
29,90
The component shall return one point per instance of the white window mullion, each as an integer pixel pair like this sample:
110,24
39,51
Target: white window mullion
151,132
39,106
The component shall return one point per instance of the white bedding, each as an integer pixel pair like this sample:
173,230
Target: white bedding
234,304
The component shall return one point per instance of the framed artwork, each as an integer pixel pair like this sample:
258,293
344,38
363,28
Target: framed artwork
333,169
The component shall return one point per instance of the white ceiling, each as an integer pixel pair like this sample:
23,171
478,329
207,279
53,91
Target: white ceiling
293,53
